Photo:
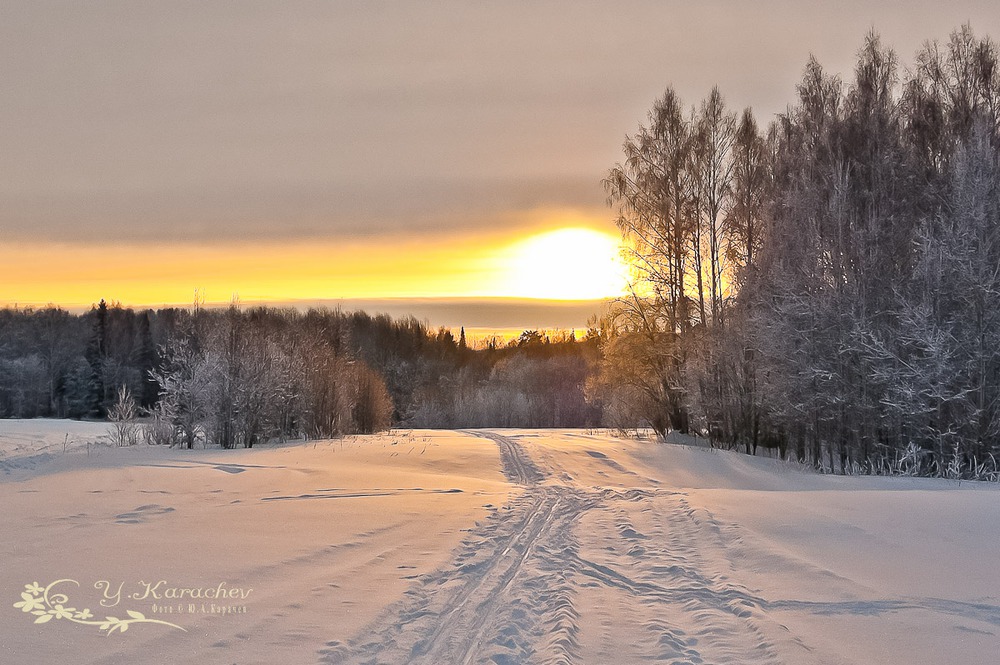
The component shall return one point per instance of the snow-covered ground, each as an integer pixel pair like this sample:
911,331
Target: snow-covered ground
27,444
499,546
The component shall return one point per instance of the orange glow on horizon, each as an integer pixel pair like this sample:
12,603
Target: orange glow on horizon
562,264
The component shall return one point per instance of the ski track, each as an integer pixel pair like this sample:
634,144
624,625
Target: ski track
511,594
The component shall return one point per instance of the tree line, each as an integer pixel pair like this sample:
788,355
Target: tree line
241,376
828,285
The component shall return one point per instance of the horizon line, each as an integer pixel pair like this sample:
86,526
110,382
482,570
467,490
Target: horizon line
500,313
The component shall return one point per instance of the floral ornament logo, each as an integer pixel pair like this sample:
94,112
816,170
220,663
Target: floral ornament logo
46,606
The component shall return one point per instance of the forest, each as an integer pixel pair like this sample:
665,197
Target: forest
828,285
237,377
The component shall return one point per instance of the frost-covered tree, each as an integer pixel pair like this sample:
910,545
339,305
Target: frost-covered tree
715,134
123,414
185,388
863,234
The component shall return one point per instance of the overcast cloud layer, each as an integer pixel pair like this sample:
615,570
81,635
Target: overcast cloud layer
247,120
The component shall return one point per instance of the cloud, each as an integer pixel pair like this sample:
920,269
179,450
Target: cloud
207,121
281,210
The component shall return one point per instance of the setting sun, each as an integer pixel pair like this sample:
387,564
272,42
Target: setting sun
566,264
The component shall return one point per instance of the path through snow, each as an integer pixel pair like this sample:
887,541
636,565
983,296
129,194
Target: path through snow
515,591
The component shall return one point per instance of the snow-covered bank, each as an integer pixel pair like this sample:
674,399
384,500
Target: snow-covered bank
321,535
29,444
501,546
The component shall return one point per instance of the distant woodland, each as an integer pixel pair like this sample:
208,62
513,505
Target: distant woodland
238,377
827,285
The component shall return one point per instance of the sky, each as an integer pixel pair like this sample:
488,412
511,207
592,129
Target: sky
332,151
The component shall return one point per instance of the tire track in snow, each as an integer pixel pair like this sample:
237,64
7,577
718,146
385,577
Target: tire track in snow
517,465
506,597
512,593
